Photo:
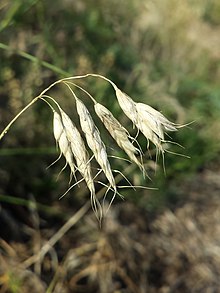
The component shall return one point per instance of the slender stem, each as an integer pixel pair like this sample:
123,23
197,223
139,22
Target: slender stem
34,59
27,107
17,116
82,89
90,74
51,66
48,88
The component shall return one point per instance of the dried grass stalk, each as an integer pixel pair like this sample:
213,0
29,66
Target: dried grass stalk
94,141
118,132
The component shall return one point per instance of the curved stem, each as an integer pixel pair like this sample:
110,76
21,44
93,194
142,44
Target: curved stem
16,117
88,75
48,88
82,89
27,107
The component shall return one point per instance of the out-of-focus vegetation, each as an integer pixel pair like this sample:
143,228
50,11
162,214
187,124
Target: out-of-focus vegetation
163,53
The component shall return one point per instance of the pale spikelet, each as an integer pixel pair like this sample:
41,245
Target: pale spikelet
61,139
72,145
149,121
153,124
79,150
57,126
129,108
127,105
157,122
94,141
118,132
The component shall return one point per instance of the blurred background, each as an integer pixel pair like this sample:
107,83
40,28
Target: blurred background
163,53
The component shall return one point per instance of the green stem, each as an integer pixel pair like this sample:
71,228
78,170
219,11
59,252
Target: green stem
26,202
34,59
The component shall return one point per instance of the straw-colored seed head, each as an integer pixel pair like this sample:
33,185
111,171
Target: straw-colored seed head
153,124
156,121
118,132
148,120
61,139
127,105
143,126
94,141
57,126
78,150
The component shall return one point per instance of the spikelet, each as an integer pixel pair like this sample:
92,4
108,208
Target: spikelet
157,122
127,105
94,141
153,124
148,120
72,145
79,150
118,132
61,139
57,126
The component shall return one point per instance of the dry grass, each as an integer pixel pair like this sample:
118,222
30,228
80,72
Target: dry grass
177,251
72,146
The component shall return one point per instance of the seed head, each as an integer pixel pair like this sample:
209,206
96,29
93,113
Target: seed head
118,132
62,141
127,105
149,121
94,141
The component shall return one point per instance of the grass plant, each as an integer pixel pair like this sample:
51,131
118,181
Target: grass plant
74,143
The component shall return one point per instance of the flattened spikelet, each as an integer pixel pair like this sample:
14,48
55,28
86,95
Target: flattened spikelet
94,141
61,139
127,105
57,126
118,132
148,120
79,150
157,121
153,124
72,145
